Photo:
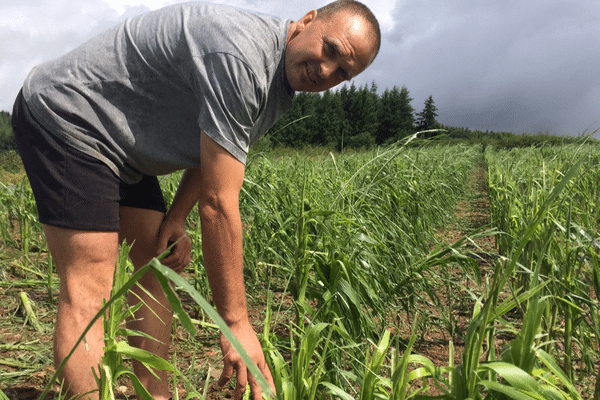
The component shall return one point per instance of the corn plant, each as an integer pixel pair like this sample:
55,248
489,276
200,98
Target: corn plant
537,247
351,240
561,244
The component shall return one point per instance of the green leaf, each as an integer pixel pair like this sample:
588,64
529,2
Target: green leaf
336,391
145,357
508,305
166,272
369,382
550,362
133,332
511,392
514,375
140,390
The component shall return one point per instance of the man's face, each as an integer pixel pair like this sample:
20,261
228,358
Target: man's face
324,52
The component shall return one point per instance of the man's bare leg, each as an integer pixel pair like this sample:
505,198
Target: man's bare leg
85,263
140,227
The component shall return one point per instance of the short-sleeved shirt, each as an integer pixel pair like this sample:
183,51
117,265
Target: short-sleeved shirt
138,95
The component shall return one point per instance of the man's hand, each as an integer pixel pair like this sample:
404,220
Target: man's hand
234,363
170,232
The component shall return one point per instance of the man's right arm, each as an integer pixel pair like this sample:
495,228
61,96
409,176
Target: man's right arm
173,227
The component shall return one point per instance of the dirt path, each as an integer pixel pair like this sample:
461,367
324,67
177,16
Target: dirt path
449,323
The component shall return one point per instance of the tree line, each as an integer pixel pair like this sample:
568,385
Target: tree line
360,117
357,117
352,117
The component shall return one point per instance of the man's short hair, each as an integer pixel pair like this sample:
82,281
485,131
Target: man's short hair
356,8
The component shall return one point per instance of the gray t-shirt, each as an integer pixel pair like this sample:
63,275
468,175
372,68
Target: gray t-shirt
137,96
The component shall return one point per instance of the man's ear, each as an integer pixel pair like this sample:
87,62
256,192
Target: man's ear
302,23
309,17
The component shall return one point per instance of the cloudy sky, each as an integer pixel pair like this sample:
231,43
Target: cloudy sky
512,65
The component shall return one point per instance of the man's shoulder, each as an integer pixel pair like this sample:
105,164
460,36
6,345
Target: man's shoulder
257,40
235,29
224,20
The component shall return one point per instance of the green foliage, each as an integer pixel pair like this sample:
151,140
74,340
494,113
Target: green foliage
329,119
360,118
347,118
426,118
6,136
296,128
350,238
523,189
396,116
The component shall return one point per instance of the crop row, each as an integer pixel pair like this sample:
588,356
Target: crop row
351,240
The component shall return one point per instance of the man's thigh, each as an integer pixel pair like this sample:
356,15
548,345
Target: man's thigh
85,262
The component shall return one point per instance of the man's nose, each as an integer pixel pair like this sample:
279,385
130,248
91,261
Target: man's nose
326,69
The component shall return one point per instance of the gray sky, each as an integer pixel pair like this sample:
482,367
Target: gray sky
512,65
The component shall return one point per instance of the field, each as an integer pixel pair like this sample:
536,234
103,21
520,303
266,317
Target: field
411,271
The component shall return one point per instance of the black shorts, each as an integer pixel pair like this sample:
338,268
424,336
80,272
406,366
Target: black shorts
72,189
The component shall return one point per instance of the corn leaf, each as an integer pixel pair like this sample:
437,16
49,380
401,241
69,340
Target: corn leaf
511,392
514,375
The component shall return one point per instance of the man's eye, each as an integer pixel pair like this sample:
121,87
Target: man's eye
329,49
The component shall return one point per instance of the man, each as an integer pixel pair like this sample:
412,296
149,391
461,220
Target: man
187,87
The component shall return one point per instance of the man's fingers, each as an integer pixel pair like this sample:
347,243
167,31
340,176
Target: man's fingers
267,374
255,388
179,256
162,243
225,375
232,359
241,382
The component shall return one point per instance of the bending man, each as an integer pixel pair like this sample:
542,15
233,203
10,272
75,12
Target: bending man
189,86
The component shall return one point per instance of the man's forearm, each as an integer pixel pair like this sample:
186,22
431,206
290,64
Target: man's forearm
222,177
186,196
222,249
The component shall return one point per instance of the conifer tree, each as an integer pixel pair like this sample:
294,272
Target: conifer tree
364,121
426,118
296,127
396,115
329,119
350,104
6,136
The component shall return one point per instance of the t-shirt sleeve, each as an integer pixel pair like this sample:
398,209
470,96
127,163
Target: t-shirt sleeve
230,101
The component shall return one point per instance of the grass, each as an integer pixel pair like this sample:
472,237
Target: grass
342,253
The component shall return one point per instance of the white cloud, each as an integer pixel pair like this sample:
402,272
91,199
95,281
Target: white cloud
121,5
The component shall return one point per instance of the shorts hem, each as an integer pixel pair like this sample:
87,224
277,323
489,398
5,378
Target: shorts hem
89,228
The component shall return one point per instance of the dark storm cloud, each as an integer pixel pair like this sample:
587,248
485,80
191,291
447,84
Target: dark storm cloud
517,66
520,66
